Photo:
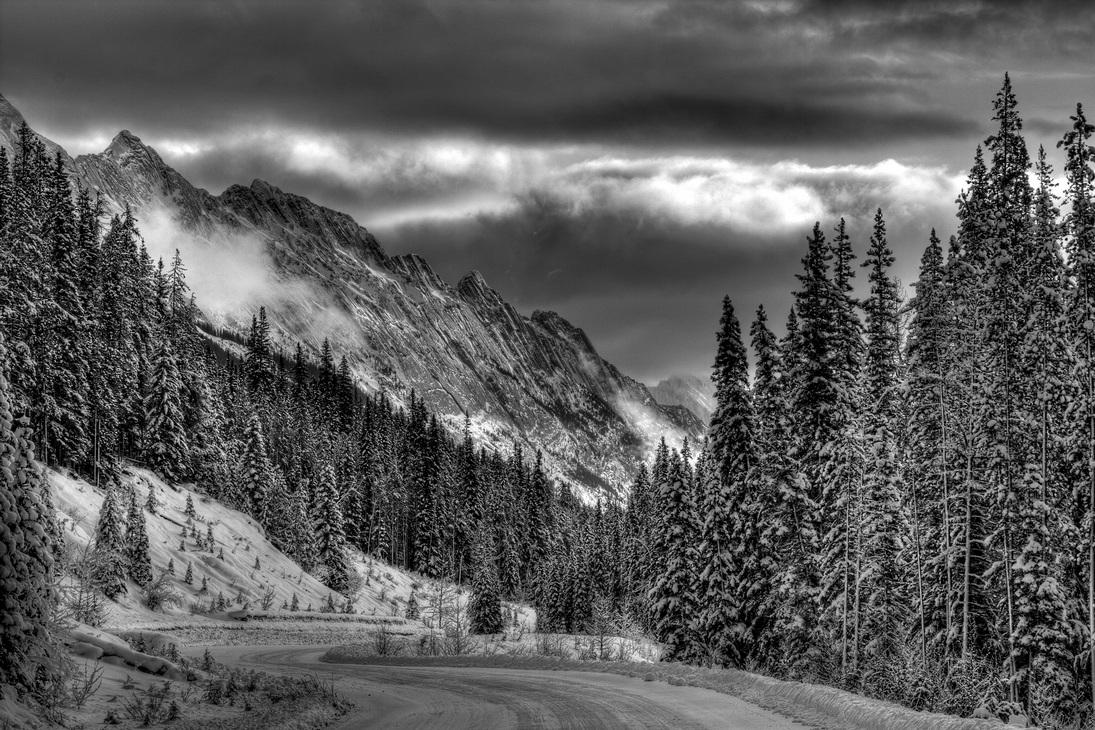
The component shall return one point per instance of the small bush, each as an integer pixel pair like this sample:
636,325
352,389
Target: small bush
383,643
160,593
84,683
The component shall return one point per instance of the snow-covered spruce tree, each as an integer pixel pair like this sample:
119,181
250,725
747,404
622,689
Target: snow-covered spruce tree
927,468
412,611
165,446
136,543
256,470
819,419
1042,632
110,546
26,557
65,353
330,540
152,502
883,518
24,269
258,361
485,604
729,551
509,557
672,597
637,548
773,478
1014,478
843,466
1080,317
973,616
302,538
541,514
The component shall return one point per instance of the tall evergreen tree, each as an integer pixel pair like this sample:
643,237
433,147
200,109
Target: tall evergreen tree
485,604
728,517
136,544
330,540
26,557
166,448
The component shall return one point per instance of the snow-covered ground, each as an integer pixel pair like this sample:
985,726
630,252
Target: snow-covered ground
251,567
380,605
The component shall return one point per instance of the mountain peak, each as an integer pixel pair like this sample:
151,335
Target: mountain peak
694,393
123,142
266,190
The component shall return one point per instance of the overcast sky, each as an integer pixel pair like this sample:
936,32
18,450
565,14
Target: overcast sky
625,163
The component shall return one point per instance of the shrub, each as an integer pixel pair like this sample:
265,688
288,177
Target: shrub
160,593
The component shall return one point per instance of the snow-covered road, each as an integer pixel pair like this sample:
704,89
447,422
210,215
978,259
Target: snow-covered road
406,698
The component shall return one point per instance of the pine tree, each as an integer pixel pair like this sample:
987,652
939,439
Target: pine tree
65,352
136,540
928,468
883,527
189,577
151,502
1080,227
258,361
673,601
728,551
256,470
485,604
26,557
110,547
166,449
330,540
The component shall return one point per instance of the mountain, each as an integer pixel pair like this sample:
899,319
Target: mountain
695,394
535,379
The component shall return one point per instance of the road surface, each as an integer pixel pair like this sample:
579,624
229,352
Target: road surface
459,698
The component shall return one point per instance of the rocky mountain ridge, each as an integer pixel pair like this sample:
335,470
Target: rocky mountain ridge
535,379
688,391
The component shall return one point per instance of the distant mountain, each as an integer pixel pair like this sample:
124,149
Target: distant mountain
536,379
695,394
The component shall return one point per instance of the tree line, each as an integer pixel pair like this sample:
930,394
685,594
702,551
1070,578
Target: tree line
901,502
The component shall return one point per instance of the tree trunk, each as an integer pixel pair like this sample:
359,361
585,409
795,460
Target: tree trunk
966,546
949,612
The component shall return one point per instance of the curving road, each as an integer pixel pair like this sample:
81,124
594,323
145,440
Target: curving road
458,698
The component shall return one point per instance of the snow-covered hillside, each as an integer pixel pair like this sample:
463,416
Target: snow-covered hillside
242,565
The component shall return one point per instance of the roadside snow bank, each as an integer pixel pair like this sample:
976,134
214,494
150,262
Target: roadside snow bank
92,643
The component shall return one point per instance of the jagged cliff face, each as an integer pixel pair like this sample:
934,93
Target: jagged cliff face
688,391
535,379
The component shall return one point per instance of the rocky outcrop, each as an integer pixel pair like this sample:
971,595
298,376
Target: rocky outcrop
695,394
534,379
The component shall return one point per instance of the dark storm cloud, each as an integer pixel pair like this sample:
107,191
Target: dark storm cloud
783,74
648,290
624,162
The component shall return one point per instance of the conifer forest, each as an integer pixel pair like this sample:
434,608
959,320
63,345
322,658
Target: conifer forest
895,497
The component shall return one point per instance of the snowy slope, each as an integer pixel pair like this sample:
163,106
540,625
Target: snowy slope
236,576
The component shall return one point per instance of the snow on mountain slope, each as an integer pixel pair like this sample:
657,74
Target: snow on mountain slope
250,566
532,379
